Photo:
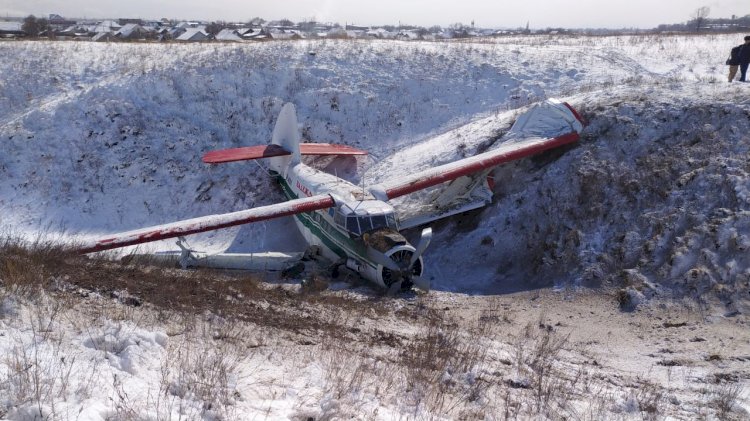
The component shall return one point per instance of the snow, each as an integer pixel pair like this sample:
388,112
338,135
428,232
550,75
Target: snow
108,138
10,26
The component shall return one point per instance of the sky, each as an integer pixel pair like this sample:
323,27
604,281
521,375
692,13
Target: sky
484,13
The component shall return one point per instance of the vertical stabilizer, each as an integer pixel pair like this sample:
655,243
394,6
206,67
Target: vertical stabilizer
286,134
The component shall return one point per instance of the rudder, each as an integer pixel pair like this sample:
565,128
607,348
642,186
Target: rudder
286,134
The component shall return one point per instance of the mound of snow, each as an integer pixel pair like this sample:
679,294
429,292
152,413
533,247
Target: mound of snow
108,138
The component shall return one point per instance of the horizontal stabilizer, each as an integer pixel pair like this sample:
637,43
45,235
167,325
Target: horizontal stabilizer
268,151
208,223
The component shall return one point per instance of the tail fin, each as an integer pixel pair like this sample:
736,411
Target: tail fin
286,134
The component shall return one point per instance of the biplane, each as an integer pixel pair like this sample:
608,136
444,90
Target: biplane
355,226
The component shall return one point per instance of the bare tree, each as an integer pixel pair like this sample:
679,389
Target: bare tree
33,26
214,28
699,17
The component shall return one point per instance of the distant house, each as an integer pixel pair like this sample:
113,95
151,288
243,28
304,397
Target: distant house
105,26
228,35
193,35
59,22
186,25
131,31
277,33
380,33
126,21
252,33
11,30
73,31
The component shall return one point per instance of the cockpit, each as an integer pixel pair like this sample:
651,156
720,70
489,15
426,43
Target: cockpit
365,216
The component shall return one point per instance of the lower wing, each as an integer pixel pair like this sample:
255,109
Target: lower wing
207,223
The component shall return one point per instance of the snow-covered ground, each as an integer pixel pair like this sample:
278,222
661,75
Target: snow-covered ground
653,203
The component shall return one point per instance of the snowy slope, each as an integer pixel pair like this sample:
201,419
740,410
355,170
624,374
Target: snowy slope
106,138
109,137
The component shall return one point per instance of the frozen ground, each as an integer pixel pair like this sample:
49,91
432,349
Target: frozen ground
650,209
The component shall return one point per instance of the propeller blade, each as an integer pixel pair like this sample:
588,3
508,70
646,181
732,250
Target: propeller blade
382,259
394,288
424,241
421,283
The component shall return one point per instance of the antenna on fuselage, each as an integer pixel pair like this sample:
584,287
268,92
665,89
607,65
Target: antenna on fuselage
265,170
364,174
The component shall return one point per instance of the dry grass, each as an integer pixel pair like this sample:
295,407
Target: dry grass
372,352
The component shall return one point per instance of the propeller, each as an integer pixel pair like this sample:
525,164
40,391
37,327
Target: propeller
424,241
401,269
381,259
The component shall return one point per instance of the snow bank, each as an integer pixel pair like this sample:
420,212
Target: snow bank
107,138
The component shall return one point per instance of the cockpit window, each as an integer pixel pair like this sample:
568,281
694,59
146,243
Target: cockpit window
352,225
358,222
366,223
379,221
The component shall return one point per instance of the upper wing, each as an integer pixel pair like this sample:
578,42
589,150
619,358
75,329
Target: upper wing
208,223
436,175
547,126
245,153
268,151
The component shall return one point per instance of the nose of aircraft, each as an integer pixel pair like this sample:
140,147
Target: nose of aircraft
402,265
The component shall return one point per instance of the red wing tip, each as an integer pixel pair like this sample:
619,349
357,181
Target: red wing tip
576,114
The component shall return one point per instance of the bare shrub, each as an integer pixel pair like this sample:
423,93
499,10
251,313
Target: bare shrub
203,365
350,378
36,371
27,264
537,351
444,366
649,398
725,397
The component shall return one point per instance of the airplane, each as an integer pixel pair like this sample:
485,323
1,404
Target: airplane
355,226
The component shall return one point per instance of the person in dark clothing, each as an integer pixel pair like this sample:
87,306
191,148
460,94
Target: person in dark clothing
740,56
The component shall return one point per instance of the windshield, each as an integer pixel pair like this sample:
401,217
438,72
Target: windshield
358,225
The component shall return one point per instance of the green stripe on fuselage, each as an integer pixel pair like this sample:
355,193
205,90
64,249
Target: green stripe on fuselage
331,237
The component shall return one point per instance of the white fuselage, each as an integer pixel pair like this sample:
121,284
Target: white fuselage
330,231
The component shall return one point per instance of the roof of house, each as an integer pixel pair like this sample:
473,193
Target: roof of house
130,29
193,34
228,35
11,26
